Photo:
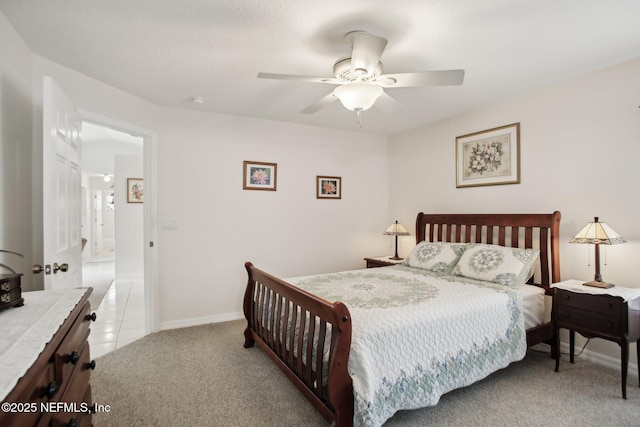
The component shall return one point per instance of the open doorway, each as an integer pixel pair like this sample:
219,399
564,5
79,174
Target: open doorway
112,233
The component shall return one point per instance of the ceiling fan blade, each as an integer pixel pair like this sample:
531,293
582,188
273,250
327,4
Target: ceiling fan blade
318,105
366,52
388,104
426,78
309,79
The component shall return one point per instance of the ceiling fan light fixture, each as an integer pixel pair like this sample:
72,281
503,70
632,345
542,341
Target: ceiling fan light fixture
358,96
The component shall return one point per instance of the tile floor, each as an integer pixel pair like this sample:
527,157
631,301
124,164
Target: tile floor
120,317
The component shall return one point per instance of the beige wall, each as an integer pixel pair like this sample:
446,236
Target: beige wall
15,152
288,232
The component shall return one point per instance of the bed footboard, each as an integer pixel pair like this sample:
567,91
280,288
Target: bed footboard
308,337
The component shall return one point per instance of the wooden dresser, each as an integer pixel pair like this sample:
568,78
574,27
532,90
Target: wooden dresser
45,361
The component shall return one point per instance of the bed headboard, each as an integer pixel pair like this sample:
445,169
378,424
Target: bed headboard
540,231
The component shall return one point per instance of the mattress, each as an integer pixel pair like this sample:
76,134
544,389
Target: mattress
534,305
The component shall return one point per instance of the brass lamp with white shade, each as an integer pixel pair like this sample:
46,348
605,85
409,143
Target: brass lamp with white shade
396,229
597,233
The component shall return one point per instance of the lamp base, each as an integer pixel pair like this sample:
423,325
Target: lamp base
595,284
396,258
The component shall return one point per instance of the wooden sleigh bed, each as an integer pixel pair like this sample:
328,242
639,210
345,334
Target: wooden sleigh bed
310,337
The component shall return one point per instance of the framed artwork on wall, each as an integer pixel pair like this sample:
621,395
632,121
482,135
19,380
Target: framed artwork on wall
135,190
328,187
488,157
259,176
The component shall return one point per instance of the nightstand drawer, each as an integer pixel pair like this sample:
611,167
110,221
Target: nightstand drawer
581,320
605,304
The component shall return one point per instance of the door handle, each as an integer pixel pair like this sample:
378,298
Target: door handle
37,269
64,267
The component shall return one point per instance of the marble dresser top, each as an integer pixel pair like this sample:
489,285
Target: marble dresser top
25,331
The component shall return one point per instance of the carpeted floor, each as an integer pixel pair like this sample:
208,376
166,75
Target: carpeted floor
202,376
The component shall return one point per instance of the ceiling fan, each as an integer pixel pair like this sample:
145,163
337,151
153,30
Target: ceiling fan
360,80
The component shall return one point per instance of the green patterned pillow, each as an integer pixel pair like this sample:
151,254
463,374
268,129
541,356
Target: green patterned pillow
439,257
499,264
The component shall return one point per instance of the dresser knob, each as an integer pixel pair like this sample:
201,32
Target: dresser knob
91,365
73,357
50,390
91,317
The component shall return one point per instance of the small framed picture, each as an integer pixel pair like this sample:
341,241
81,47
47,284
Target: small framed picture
259,176
135,190
489,157
328,187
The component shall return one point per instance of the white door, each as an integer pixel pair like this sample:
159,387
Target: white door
61,190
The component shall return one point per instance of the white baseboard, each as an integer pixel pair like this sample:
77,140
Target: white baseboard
196,321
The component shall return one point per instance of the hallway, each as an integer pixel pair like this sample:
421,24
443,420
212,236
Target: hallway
120,316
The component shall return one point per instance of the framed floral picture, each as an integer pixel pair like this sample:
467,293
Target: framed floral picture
259,176
489,157
328,187
135,190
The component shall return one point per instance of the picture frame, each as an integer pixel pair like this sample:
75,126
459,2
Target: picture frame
328,187
135,190
488,157
259,176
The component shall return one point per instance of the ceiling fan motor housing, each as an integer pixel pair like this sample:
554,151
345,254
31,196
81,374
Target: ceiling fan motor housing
342,70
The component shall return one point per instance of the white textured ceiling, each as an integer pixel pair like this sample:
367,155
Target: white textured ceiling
167,51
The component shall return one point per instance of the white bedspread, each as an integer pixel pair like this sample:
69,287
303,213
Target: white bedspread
417,335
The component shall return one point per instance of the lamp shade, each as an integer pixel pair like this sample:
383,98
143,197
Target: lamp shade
597,233
396,229
358,96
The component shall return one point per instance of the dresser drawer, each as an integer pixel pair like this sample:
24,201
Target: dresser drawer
7,297
67,355
38,389
77,396
7,284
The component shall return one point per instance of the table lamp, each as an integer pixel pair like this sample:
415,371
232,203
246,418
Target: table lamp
597,233
396,229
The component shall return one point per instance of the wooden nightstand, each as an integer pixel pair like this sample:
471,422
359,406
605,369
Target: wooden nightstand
383,261
599,314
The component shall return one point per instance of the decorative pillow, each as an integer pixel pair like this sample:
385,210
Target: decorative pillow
499,264
439,257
